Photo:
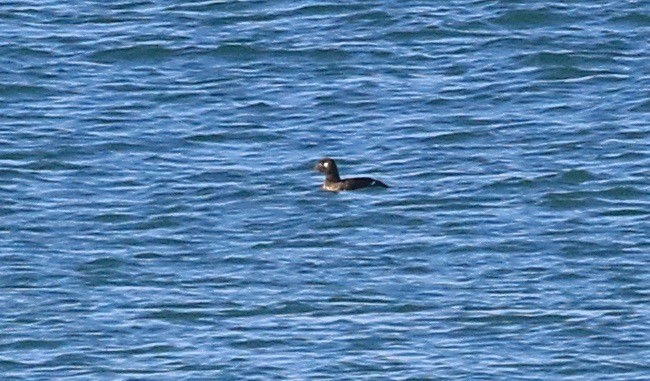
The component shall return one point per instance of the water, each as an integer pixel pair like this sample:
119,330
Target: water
161,219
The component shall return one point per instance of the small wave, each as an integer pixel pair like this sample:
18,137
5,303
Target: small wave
576,176
641,106
636,19
569,74
120,147
206,138
454,137
29,344
133,53
623,193
568,200
591,198
102,263
427,33
247,51
236,50
172,315
525,18
323,9
234,136
512,182
549,58
15,90
114,218
625,212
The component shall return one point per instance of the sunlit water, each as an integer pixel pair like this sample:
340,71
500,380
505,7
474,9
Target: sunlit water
161,218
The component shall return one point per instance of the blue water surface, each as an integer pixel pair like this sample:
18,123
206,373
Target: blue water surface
161,219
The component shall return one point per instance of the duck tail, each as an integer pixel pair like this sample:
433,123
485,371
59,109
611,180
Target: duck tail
378,183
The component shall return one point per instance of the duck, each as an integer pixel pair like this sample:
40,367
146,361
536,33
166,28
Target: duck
334,183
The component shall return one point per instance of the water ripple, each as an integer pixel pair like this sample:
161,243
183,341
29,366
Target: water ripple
161,217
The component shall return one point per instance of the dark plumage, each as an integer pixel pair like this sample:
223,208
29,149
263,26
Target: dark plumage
334,183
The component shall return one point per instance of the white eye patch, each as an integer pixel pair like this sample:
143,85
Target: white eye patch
326,164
